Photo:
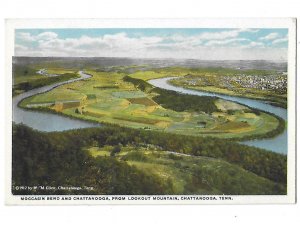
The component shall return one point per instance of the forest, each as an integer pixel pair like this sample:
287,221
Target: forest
58,158
182,102
43,160
156,161
176,101
26,78
29,85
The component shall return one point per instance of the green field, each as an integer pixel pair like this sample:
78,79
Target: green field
189,174
210,80
153,141
108,98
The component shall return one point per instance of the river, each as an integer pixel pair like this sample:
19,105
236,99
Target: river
48,122
44,121
277,144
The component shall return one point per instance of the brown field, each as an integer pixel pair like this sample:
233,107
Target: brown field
224,105
71,104
107,87
60,106
93,114
232,126
142,101
139,120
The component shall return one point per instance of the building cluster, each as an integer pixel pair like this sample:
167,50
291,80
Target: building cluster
44,72
274,82
271,82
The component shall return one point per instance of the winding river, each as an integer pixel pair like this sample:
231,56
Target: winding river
48,122
43,121
276,144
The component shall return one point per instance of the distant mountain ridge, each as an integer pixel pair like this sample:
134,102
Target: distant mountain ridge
96,62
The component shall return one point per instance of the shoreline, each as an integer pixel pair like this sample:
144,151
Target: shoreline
281,129
269,135
276,104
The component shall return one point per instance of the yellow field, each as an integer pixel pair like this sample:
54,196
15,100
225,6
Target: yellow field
106,98
227,105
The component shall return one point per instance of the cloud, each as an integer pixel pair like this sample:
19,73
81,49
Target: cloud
210,36
220,35
46,36
270,36
281,40
253,44
25,36
225,34
225,44
250,30
21,48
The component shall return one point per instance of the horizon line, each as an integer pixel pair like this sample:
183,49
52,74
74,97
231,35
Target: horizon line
147,58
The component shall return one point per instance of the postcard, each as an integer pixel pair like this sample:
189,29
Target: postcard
151,111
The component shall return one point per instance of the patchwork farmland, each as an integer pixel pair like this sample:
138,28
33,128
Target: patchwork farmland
131,102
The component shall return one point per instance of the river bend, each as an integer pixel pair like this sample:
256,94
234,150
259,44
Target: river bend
276,144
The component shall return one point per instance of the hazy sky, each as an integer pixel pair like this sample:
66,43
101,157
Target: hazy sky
193,43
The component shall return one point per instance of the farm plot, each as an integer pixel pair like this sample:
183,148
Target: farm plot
98,100
142,101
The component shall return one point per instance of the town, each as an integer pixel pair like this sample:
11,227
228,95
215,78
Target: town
273,82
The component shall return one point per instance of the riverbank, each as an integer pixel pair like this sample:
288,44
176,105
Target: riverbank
23,84
269,144
248,96
141,99
41,120
134,103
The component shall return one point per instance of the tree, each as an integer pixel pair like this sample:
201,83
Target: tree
116,149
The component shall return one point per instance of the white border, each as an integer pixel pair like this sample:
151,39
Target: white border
154,23
289,23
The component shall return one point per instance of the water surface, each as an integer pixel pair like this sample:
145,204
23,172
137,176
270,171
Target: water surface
48,122
276,144
44,121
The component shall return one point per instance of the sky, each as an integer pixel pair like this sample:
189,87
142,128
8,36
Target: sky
185,43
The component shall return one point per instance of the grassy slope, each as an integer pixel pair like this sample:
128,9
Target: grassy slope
192,175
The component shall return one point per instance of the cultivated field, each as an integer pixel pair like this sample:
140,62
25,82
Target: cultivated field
153,141
107,98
